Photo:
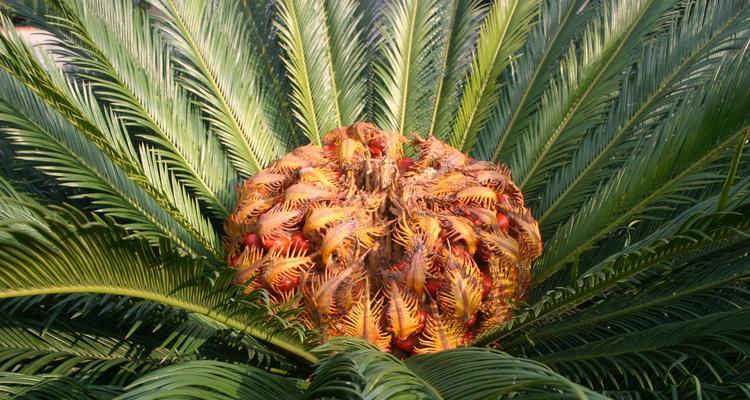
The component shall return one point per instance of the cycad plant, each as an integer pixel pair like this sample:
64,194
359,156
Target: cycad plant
137,131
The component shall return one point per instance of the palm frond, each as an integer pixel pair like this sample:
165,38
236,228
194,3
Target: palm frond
406,74
504,32
668,72
560,22
483,373
73,349
52,145
47,386
78,106
17,206
223,68
171,333
129,65
362,371
697,228
82,254
715,341
204,380
457,32
703,130
356,369
678,291
578,96
325,63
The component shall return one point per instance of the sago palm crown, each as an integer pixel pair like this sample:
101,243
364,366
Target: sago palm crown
253,199
383,247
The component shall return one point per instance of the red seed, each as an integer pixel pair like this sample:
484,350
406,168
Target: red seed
422,318
376,147
330,147
251,239
432,285
407,344
287,284
470,321
235,261
405,165
280,243
503,221
469,337
401,267
300,242
486,286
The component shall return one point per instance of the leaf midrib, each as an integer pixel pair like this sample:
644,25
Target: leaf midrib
656,301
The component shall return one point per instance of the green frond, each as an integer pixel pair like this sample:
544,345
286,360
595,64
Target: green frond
697,228
457,33
484,373
102,128
80,254
358,370
671,292
129,65
579,95
325,62
355,369
405,69
348,59
559,23
73,349
668,72
209,380
712,341
690,152
170,334
53,146
56,387
222,67
17,206
504,32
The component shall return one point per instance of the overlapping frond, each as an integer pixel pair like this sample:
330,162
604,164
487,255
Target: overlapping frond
688,153
77,104
83,254
405,71
578,96
51,144
130,66
358,370
223,68
457,33
700,228
73,349
559,23
504,32
47,386
714,341
212,380
667,73
325,62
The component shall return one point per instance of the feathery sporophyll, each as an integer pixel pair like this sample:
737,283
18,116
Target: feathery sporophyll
415,255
